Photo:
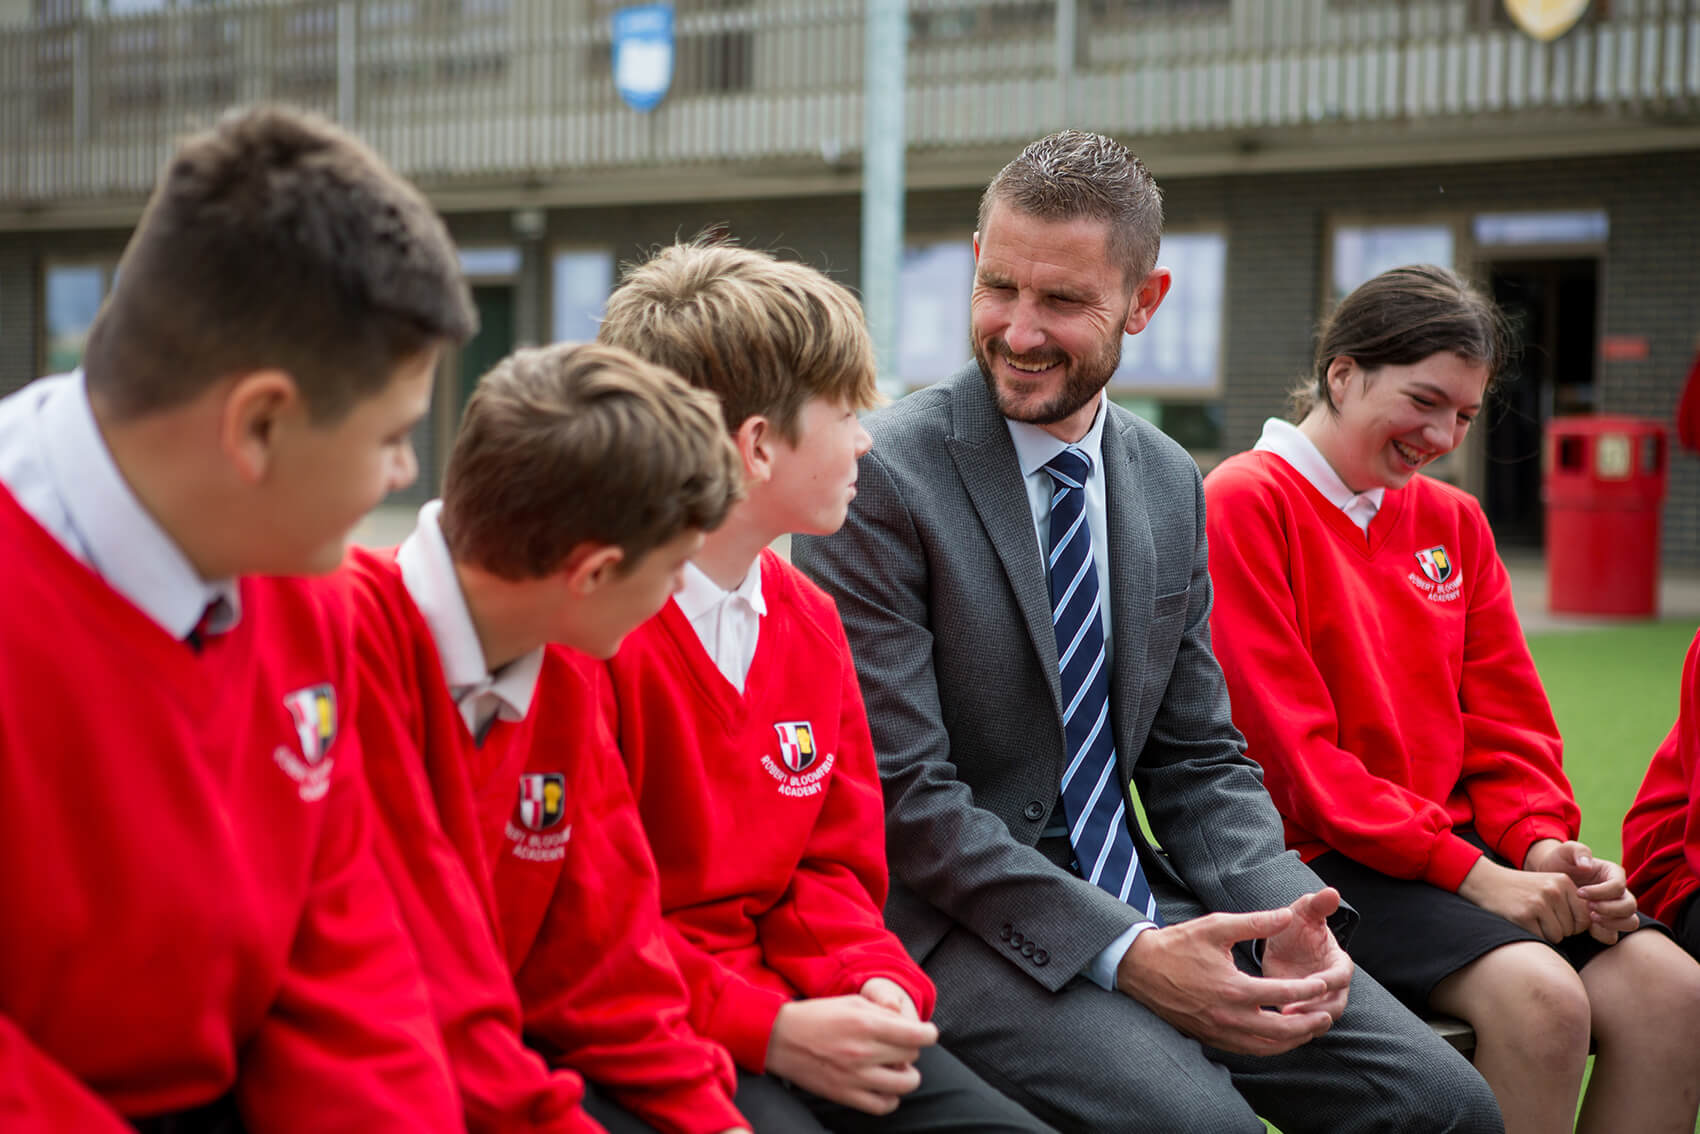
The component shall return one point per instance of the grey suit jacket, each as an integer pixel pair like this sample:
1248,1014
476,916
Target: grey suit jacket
941,584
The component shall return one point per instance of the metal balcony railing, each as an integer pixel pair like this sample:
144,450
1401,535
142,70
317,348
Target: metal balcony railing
522,89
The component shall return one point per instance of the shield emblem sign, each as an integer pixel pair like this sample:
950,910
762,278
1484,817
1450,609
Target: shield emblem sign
643,54
1546,20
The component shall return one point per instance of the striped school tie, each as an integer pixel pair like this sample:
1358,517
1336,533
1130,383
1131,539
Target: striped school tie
1094,799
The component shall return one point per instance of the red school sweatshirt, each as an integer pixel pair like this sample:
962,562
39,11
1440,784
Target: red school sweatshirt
1381,679
1661,832
192,904
416,748
607,1002
765,812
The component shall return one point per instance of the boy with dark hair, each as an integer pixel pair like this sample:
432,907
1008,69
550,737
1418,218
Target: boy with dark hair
196,936
581,479
738,713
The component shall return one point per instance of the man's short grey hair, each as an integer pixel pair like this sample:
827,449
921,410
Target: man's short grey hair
1073,174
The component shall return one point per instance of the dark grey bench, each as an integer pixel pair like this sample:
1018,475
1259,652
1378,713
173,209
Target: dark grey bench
1455,1032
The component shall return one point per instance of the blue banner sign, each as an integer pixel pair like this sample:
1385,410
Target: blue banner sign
643,54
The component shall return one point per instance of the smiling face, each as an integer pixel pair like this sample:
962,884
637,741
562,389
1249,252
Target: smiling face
1048,311
1392,421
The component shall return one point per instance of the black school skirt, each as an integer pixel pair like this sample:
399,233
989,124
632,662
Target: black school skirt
1412,935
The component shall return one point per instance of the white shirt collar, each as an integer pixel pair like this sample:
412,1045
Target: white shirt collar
1288,442
110,530
428,572
1034,447
700,594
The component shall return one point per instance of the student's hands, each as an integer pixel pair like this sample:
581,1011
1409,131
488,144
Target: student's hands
1602,884
887,993
1545,902
850,1050
1185,973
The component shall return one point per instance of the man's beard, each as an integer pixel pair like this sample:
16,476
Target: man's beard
1081,381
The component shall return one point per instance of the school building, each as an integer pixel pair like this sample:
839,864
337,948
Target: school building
1302,145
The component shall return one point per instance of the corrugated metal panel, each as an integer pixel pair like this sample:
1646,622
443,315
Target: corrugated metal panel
88,108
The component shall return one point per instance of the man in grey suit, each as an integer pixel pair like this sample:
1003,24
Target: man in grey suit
1011,519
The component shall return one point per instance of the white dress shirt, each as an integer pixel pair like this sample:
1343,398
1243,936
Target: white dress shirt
728,623
428,572
1288,442
1033,448
57,466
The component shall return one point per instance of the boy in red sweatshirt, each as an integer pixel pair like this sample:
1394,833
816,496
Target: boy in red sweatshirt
581,480
741,723
196,936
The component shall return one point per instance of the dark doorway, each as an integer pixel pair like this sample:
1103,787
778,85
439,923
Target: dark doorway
1553,304
494,340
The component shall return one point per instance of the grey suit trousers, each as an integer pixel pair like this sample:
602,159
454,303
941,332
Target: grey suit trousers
1084,1059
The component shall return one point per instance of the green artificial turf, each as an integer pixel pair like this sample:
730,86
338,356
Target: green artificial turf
1614,693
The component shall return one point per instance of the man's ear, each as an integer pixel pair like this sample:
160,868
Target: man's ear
591,566
976,246
1146,299
755,440
256,405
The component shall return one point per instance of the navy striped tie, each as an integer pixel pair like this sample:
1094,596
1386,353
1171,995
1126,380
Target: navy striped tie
1094,798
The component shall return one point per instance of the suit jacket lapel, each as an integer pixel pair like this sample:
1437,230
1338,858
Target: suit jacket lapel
1133,581
985,460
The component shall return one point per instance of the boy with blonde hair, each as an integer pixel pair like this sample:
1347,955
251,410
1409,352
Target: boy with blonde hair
739,716
195,936
581,480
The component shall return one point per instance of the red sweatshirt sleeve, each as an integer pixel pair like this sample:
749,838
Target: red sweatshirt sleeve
37,1096
504,1086
601,989
1513,769
350,1043
1661,832
827,936
1283,705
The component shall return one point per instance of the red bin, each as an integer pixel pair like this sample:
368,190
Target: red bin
1605,483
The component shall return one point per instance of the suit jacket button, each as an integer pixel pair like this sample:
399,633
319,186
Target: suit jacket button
1015,940
1027,949
1034,811
1005,932
1040,957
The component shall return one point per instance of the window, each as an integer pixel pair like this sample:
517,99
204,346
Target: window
933,287
1171,372
1363,251
1181,348
582,281
73,295
1195,424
